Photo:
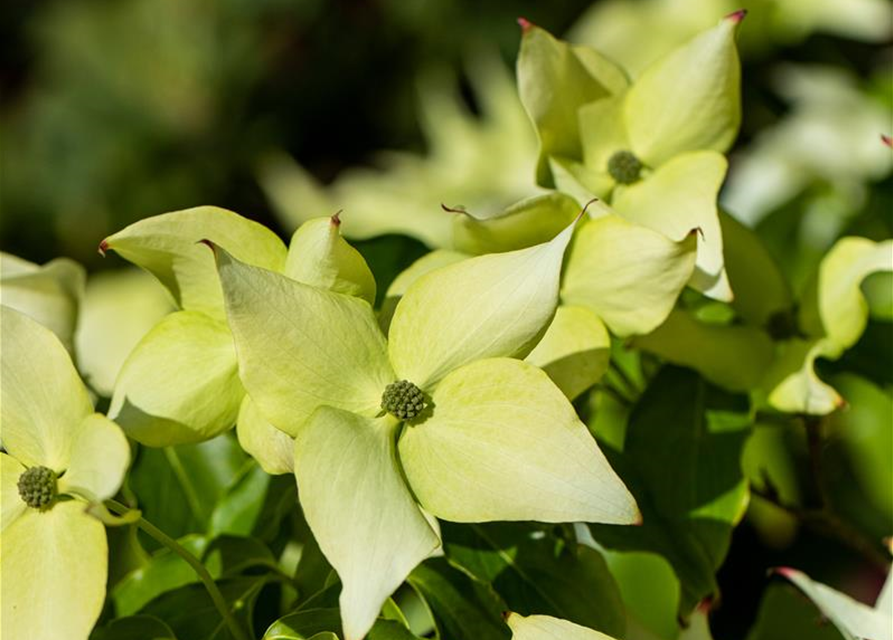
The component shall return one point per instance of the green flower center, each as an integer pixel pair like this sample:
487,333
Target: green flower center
624,167
402,399
37,486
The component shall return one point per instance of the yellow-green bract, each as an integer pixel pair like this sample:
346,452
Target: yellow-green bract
676,119
498,440
180,384
53,561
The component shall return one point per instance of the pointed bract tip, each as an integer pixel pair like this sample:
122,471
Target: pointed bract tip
639,521
456,209
705,605
525,24
736,16
787,572
209,244
887,140
697,231
103,247
586,207
336,218
506,615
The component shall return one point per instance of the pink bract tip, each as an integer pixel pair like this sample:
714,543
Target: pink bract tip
103,247
525,24
787,572
736,16
887,140
336,218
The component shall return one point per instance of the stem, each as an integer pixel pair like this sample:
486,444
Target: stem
826,523
813,427
192,561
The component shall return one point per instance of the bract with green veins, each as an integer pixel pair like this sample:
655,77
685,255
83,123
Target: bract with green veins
59,457
654,147
440,420
180,384
538,627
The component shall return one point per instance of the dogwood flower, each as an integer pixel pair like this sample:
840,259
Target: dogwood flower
440,420
653,147
58,456
181,384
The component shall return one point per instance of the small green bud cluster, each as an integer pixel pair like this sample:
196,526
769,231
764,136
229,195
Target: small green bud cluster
624,167
402,399
37,486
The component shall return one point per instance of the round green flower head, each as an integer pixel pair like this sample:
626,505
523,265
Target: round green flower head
624,167
37,486
402,399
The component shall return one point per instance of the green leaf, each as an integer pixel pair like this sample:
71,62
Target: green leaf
687,479
735,357
689,99
42,399
58,562
119,308
301,347
529,222
190,613
167,247
237,511
678,197
535,572
488,306
503,443
548,628
360,510
178,487
761,291
854,619
628,275
164,571
785,614
554,80
51,294
180,384
463,608
325,624
273,449
320,257
135,628
575,351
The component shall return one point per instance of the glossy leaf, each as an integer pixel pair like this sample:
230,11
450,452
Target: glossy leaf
534,572
735,357
682,460
504,443
489,306
301,347
135,628
180,384
463,608
628,275
167,246
361,513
